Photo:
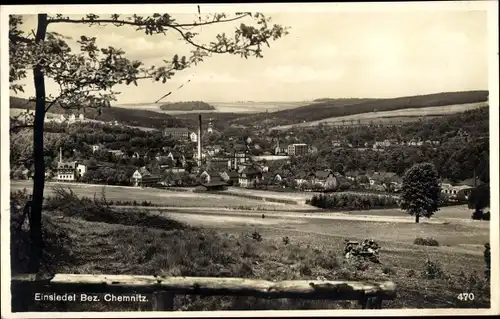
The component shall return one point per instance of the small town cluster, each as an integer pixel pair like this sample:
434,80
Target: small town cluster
212,167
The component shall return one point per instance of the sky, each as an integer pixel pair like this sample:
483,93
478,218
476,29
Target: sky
325,54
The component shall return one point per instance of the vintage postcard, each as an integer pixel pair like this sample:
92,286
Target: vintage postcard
250,160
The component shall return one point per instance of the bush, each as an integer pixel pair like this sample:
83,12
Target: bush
486,216
257,236
388,270
433,270
352,201
426,241
286,240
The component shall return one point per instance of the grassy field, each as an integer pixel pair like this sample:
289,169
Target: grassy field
156,196
427,277
394,117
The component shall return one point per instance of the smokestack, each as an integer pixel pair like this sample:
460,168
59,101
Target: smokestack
199,140
60,154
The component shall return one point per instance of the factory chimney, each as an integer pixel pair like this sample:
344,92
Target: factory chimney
199,140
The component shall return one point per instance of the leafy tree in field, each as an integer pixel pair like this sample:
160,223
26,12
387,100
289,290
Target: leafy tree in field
420,193
479,199
86,78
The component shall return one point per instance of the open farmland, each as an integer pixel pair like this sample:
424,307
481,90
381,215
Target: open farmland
393,117
157,196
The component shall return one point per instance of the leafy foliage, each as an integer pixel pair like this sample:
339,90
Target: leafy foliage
352,201
87,78
420,193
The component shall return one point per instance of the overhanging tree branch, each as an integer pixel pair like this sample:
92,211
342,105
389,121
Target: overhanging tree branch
119,23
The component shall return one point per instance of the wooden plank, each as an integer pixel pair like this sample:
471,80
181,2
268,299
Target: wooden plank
305,289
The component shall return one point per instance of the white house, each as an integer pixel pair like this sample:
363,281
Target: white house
193,137
138,175
95,148
81,169
72,119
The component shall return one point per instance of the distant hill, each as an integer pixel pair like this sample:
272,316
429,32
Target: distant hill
344,107
133,117
187,106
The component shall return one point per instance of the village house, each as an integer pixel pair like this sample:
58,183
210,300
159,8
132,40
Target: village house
20,173
178,158
66,171
96,147
249,176
336,143
298,149
117,154
212,180
231,177
207,176
172,179
381,144
136,178
460,189
193,137
301,177
326,179
144,177
81,169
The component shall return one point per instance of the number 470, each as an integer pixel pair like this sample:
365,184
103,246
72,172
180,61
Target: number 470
464,296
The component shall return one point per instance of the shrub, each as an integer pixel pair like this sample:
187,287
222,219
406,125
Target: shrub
426,241
352,201
286,240
388,270
486,216
433,270
257,236
66,202
410,273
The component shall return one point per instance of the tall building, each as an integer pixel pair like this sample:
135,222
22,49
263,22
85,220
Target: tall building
298,149
176,132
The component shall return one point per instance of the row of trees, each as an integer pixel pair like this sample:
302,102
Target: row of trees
352,201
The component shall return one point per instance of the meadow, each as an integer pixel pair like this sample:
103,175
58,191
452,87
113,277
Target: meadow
86,238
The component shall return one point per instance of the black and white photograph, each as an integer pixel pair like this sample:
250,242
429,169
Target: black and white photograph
228,159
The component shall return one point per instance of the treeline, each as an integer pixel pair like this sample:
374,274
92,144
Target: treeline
352,201
187,106
463,137
133,117
455,159
472,123
343,107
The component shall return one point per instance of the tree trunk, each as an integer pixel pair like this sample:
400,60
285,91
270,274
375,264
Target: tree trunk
417,218
38,157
